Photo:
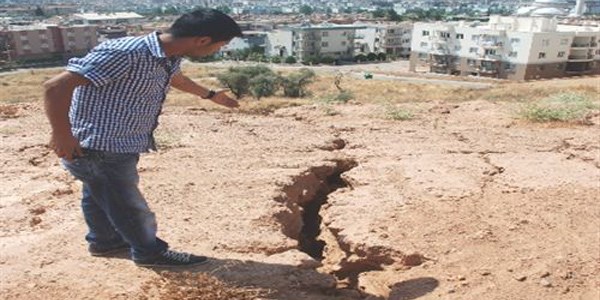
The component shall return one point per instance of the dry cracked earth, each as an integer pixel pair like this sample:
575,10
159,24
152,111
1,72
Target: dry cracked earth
461,202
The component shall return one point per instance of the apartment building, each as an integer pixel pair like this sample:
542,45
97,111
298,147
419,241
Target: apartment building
392,39
249,39
323,40
45,41
516,48
119,18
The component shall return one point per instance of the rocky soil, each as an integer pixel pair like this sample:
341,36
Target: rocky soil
462,202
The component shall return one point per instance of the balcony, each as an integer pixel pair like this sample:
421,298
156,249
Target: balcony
580,58
487,70
491,44
490,57
581,45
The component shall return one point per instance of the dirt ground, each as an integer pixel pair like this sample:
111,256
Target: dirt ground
464,201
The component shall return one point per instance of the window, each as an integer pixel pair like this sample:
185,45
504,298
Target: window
460,36
471,62
561,54
325,33
324,44
564,41
425,32
344,33
343,43
490,51
515,40
444,34
513,54
473,50
545,43
390,31
475,37
457,47
423,45
542,55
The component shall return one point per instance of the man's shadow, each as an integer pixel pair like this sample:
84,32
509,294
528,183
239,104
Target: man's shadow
286,282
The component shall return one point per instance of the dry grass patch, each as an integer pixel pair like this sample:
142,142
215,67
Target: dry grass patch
25,86
198,286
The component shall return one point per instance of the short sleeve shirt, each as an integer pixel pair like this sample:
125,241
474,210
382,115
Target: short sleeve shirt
119,110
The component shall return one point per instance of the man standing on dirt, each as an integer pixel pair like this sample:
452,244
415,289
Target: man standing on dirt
103,110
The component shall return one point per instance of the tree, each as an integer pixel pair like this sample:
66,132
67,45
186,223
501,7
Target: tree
294,85
290,60
378,13
236,82
360,58
39,12
224,9
381,56
306,10
263,85
392,15
372,56
240,80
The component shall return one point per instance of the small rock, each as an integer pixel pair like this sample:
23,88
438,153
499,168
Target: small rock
35,221
486,273
521,278
545,282
451,291
38,210
566,290
413,260
567,275
545,274
462,278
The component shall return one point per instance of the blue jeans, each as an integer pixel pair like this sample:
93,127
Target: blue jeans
113,206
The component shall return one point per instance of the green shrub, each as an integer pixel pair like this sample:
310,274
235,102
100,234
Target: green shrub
328,60
290,60
565,107
276,59
263,85
294,85
360,58
239,79
381,56
371,56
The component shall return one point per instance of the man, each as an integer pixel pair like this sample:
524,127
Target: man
103,110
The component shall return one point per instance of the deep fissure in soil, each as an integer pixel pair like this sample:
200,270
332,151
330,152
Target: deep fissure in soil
308,241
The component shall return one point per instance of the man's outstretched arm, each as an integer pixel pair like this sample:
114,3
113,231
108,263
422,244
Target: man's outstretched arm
183,83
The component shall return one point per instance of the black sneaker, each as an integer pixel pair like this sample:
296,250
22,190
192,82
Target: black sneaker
170,258
102,251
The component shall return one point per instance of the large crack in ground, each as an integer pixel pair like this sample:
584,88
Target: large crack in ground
302,221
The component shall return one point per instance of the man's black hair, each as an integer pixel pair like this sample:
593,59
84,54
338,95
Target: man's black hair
206,22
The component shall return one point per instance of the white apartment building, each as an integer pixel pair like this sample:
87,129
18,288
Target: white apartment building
305,41
518,48
392,39
107,19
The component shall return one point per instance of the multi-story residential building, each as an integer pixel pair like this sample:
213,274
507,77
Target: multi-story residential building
324,40
391,39
119,18
250,39
507,47
46,41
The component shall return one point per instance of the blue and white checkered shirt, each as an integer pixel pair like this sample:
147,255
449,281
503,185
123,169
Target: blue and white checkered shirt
119,110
